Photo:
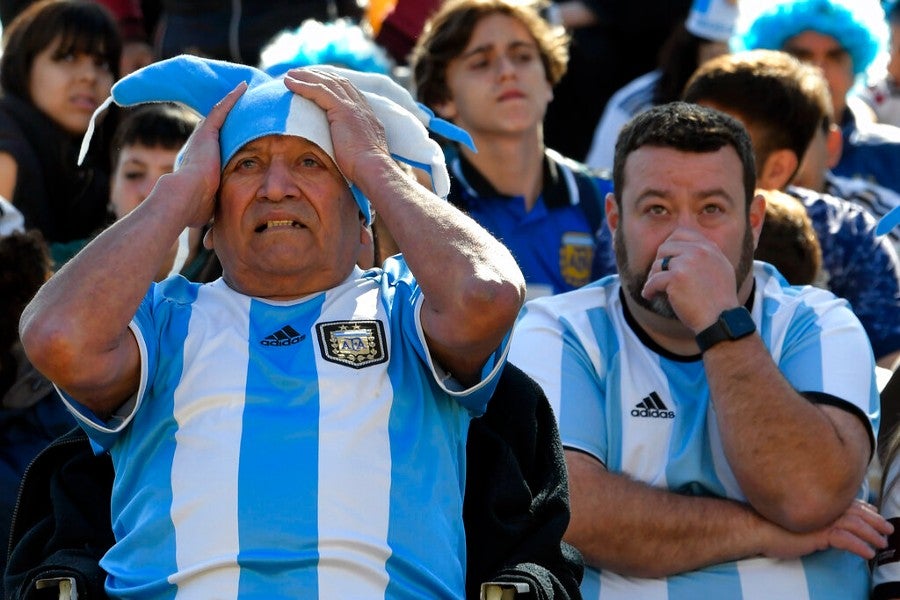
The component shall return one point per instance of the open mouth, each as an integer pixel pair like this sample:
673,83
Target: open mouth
278,224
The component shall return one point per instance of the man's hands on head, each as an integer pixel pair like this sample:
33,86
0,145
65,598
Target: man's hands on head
200,168
699,281
356,133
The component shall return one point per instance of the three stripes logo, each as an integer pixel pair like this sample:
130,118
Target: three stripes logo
286,336
652,406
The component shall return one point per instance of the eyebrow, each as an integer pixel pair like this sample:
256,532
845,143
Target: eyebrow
488,47
653,193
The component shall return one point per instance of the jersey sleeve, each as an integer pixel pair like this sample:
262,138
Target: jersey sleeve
826,351
404,299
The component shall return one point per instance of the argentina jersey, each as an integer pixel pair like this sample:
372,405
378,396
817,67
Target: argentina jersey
646,413
302,449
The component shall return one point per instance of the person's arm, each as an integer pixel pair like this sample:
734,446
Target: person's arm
637,530
9,170
471,284
75,330
799,463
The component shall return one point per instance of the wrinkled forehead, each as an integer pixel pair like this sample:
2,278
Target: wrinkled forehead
273,110
280,143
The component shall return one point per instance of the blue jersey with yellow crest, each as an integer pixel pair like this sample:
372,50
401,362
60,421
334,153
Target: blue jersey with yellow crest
562,242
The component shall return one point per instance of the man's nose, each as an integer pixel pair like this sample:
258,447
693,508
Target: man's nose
278,184
687,220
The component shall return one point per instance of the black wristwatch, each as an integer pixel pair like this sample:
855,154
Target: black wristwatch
733,324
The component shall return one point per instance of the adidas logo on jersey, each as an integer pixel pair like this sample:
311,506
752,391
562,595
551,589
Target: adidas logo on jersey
652,406
286,336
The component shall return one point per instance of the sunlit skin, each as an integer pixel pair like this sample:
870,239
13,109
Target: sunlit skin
285,223
498,85
690,206
835,62
69,88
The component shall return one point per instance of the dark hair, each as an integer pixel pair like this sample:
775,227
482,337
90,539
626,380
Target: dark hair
82,26
679,57
688,128
449,30
158,124
24,266
782,99
788,239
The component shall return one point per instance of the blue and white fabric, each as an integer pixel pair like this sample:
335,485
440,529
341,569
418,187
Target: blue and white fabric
646,413
306,448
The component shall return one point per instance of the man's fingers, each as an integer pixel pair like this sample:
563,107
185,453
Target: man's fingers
844,540
216,116
860,530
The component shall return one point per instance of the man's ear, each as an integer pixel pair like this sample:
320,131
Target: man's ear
446,110
612,212
778,170
835,145
208,237
757,216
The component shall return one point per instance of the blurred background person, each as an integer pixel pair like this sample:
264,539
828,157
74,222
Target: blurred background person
842,39
144,148
137,50
883,94
703,35
612,43
236,30
782,102
60,59
31,414
490,67
788,240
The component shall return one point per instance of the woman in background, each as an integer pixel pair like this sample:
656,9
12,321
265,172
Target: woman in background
60,59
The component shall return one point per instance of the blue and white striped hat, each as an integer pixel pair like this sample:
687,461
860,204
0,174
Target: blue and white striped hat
267,107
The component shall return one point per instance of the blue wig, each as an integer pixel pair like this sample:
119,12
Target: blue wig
858,26
340,43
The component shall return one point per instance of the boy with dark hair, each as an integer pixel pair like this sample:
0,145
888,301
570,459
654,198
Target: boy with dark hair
489,66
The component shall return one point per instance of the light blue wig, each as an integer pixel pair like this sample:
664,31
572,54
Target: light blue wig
858,25
340,43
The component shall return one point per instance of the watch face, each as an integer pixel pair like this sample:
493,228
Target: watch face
739,322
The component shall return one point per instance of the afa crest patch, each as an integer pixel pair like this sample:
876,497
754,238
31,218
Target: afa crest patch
356,344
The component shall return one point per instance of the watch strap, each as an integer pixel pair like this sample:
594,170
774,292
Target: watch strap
732,324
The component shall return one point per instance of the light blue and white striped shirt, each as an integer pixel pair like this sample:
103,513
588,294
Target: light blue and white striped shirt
302,449
647,413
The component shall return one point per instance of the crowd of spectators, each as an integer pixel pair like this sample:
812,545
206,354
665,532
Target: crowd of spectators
530,314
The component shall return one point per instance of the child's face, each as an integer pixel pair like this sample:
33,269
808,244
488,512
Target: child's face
68,88
136,173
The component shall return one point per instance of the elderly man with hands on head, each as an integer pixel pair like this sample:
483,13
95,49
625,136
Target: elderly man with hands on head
299,425
717,423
